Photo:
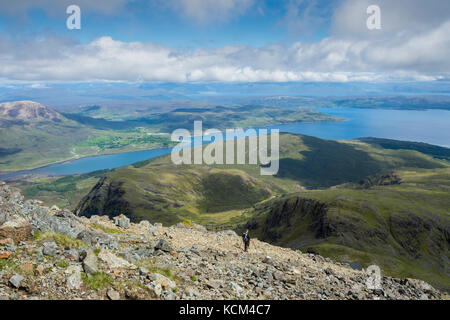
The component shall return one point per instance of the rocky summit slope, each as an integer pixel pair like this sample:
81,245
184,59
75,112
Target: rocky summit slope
48,253
27,111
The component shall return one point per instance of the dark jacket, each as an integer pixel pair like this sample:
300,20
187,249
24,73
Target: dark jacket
246,237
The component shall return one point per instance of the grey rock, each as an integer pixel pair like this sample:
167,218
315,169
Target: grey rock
113,294
169,296
145,224
113,261
64,221
74,280
155,289
48,251
122,221
163,245
143,271
144,252
90,263
95,238
16,280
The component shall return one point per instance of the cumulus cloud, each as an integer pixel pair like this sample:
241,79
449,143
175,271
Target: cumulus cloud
413,44
423,56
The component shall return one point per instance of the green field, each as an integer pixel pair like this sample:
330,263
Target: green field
30,144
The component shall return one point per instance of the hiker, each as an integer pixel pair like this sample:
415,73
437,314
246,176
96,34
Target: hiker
246,239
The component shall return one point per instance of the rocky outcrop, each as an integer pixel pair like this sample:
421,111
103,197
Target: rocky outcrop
106,198
385,179
156,262
281,216
17,229
310,225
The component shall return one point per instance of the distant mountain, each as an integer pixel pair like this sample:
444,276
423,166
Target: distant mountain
28,111
33,135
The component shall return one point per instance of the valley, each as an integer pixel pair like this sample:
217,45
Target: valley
364,201
28,142
353,201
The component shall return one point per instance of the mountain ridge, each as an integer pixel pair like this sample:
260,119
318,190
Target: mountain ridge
48,253
29,111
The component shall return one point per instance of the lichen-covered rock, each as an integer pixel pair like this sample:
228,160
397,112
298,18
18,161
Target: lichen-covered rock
17,228
122,221
90,263
113,261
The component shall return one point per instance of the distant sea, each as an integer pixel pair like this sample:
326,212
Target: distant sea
429,126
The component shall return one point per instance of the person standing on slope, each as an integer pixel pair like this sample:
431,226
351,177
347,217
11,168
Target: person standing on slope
246,239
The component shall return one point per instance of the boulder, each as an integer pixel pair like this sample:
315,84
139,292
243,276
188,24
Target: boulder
113,294
163,245
16,280
74,279
90,262
122,221
165,283
113,261
145,224
95,238
17,229
63,221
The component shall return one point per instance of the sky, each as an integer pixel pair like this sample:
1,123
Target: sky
237,41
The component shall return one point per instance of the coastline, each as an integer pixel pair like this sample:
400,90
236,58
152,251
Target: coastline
76,159
70,160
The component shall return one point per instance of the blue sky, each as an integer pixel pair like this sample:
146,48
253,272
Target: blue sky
224,41
264,23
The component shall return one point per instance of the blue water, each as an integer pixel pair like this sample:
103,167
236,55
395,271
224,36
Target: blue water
430,126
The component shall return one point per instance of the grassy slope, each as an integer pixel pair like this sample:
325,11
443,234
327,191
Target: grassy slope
65,192
386,225
27,146
159,190
403,228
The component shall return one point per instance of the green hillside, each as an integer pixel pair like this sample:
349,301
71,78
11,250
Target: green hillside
404,227
27,142
350,200
160,191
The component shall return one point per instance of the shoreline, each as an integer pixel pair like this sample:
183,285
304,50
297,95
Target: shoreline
76,159
143,150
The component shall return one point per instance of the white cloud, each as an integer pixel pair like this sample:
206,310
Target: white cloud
422,55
